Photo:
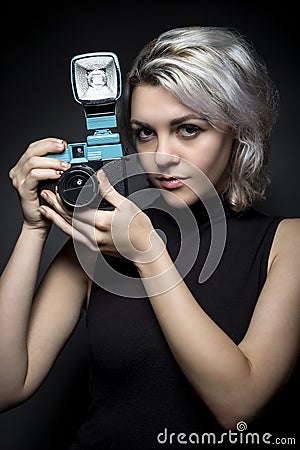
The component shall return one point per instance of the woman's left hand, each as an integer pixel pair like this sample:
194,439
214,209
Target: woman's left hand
125,231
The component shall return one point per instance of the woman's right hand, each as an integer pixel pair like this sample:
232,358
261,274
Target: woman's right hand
32,168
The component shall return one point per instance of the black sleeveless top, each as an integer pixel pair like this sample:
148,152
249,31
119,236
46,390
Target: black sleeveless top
138,395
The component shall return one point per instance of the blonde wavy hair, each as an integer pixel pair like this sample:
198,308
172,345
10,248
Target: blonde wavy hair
216,72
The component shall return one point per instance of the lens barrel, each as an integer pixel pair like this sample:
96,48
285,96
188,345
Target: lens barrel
78,186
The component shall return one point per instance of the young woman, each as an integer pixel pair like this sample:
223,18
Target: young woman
188,357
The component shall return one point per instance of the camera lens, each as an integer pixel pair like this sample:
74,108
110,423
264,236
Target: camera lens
78,186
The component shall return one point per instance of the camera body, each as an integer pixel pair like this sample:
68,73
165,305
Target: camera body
96,84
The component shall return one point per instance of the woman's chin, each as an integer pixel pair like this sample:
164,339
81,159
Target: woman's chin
175,200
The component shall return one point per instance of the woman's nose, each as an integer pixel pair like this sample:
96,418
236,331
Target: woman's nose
165,154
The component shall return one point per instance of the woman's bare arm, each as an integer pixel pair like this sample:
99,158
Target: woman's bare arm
234,381
34,330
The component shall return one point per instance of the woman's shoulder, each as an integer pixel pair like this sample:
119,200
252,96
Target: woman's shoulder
287,236
285,248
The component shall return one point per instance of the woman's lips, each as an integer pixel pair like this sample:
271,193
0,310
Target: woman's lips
171,182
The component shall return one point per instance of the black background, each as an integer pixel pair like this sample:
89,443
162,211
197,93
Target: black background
37,44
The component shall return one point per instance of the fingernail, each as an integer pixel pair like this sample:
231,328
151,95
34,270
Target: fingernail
65,164
43,210
60,143
44,194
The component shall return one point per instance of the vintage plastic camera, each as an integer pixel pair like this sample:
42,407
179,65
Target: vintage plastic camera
96,84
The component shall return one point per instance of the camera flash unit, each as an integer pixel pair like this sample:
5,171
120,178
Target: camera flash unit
96,84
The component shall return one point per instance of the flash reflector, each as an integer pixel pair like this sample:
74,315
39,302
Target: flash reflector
95,78
96,84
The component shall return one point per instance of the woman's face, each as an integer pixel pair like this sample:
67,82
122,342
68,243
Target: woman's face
177,146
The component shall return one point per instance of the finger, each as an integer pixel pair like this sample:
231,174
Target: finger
32,158
55,202
36,175
98,230
87,222
40,169
98,218
57,219
67,228
96,239
94,232
87,216
47,145
41,162
108,192
83,227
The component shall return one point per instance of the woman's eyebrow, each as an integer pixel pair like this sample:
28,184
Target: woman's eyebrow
185,118
173,122
138,122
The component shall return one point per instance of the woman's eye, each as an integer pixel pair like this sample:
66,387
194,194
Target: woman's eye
144,133
189,130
